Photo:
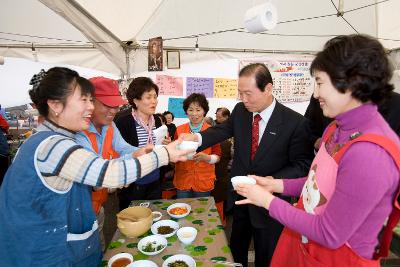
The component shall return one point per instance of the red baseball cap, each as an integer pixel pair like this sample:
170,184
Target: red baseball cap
107,91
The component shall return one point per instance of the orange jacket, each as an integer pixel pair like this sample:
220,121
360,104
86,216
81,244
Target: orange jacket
192,175
99,197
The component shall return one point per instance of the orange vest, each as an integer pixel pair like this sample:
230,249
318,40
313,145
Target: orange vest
99,197
192,175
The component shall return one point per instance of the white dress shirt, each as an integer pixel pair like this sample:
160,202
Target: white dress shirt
262,124
265,116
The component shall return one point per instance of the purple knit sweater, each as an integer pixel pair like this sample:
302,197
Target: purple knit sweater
367,181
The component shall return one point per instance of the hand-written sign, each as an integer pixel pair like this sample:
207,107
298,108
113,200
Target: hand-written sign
293,82
175,105
200,85
291,78
225,88
169,85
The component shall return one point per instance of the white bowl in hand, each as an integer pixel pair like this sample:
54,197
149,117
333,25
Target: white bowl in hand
242,180
185,145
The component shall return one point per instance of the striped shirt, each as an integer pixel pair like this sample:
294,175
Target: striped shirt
143,136
61,161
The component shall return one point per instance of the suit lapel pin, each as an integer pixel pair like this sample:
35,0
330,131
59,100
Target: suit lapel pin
273,133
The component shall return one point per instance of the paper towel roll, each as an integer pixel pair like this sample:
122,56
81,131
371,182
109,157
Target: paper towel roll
261,18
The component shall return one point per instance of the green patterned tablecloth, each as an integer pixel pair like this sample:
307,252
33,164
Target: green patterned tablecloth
210,243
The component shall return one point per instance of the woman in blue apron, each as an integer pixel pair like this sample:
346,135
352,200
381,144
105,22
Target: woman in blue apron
46,215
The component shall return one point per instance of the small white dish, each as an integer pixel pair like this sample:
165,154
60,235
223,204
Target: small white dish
170,223
142,263
178,205
155,240
187,235
180,257
120,256
242,180
156,216
186,145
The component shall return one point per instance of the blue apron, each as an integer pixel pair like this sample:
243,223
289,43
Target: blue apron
40,226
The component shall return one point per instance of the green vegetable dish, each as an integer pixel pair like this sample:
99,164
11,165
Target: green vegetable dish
152,247
164,230
178,264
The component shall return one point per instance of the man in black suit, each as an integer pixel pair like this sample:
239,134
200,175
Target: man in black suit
283,150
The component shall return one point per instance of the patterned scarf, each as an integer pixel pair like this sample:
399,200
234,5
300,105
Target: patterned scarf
147,127
196,129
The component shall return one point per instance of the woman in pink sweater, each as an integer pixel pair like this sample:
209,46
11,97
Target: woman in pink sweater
354,179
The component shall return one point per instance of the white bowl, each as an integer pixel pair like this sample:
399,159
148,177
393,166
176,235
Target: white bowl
242,180
187,235
180,257
156,240
119,256
170,223
142,263
156,216
185,145
180,205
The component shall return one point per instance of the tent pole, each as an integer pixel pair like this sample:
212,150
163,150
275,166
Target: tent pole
236,50
128,64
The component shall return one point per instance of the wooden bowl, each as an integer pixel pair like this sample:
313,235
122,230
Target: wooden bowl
134,221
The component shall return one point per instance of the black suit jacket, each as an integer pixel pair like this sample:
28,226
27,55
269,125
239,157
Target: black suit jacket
284,150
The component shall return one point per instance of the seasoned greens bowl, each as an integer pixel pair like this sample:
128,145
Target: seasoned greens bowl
152,245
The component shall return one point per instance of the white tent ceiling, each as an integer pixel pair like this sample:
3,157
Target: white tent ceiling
107,24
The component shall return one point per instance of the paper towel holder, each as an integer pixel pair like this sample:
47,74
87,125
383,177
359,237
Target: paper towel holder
261,18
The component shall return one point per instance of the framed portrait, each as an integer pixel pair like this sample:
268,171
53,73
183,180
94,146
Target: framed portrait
155,54
173,60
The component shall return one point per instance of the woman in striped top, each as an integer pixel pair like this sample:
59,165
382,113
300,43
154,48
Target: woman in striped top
136,126
46,215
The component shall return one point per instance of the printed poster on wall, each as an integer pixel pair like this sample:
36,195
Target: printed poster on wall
291,77
200,86
175,105
155,54
225,88
169,85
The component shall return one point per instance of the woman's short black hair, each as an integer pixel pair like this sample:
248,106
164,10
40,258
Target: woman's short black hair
57,84
138,87
87,87
200,99
260,72
357,63
169,112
